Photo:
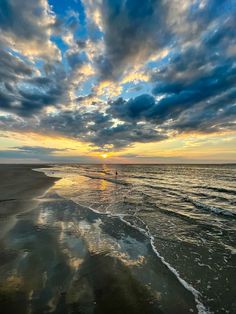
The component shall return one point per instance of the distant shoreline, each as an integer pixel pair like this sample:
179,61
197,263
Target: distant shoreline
143,164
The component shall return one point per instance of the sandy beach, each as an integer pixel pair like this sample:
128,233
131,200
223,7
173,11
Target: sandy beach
59,257
19,188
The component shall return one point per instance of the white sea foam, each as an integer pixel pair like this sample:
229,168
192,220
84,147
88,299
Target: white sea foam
213,209
200,307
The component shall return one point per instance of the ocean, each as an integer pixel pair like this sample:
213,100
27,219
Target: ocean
149,239
188,213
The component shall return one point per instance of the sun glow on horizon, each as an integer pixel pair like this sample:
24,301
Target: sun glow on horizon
104,156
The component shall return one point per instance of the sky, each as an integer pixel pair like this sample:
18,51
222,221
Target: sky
118,81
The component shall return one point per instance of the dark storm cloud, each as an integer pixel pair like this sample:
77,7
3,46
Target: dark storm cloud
189,94
24,93
81,44
25,30
135,109
218,114
27,101
212,10
27,26
13,123
23,19
76,124
11,67
205,103
133,29
70,123
40,81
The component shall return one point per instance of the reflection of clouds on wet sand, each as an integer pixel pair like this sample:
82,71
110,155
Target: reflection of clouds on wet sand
70,258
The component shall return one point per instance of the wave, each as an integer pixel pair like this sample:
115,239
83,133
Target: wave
163,188
112,180
215,189
212,209
177,214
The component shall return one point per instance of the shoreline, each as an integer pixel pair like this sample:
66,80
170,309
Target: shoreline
20,186
18,182
109,283
146,233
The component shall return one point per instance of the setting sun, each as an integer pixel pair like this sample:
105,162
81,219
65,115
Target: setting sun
104,156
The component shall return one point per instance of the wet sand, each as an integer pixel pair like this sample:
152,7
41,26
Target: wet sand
20,182
60,257
19,188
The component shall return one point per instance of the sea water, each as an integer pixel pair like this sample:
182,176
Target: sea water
188,213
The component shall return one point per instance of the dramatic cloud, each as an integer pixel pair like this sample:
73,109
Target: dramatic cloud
28,25
133,31
137,109
12,67
115,73
25,94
